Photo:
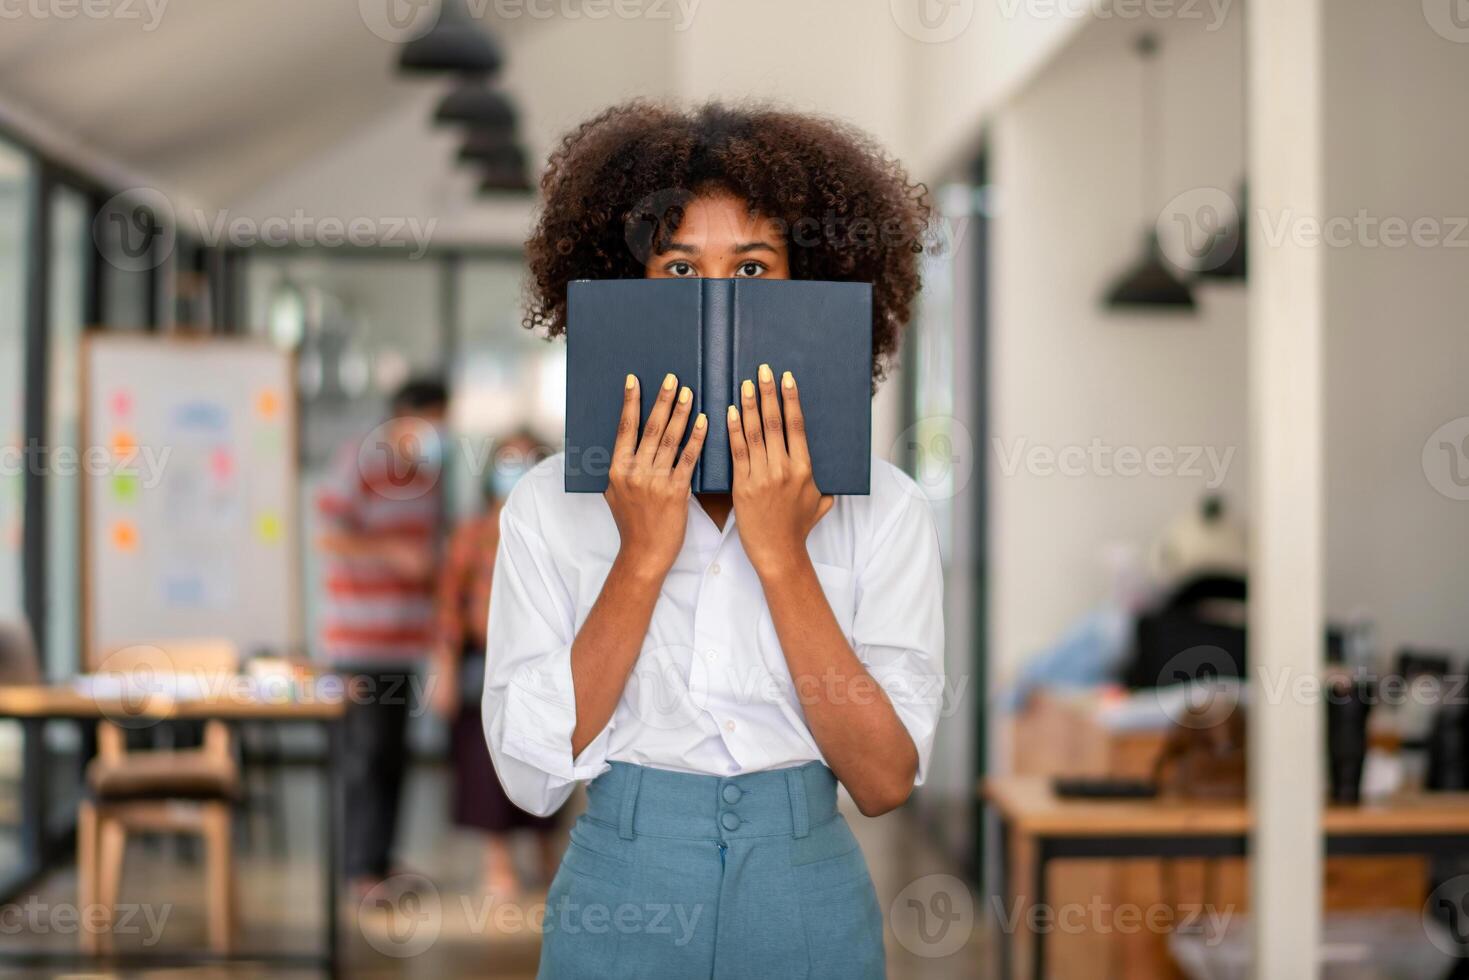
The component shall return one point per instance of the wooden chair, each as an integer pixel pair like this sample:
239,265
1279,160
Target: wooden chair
177,790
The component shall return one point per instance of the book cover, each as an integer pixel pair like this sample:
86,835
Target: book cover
713,334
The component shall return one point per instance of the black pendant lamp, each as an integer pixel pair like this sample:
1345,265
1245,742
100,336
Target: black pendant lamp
1150,282
504,182
454,44
476,105
492,149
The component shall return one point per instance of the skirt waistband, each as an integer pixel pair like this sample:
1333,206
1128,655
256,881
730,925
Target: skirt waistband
639,800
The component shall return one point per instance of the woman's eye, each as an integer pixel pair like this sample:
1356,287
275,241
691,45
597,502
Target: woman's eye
680,269
749,269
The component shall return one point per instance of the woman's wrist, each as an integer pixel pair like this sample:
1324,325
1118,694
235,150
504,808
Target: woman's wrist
636,567
783,568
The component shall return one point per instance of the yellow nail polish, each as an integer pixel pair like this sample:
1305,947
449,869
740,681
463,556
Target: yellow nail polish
788,380
668,382
632,382
748,389
684,396
733,414
701,421
765,374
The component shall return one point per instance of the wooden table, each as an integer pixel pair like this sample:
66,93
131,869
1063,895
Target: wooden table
1033,820
34,706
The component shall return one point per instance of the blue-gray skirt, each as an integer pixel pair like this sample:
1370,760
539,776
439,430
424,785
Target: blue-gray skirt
681,876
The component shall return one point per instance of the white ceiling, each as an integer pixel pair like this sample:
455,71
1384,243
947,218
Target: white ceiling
219,96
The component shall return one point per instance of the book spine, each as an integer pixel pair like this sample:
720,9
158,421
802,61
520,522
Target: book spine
716,365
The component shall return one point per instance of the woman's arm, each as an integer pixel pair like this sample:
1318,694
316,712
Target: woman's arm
648,494
776,505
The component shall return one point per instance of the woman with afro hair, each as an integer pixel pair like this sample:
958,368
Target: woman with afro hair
713,665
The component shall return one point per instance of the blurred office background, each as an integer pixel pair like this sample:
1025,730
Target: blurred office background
1199,317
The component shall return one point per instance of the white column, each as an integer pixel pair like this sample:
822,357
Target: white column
1286,313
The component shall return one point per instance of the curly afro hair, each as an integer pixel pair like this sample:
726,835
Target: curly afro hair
614,192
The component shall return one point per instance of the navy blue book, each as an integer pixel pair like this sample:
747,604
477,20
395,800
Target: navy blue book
713,334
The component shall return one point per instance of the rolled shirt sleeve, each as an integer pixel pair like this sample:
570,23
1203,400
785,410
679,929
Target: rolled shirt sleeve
529,706
898,629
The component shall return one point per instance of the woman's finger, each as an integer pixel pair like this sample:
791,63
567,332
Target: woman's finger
673,435
750,420
800,453
775,439
683,473
657,420
626,442
739,453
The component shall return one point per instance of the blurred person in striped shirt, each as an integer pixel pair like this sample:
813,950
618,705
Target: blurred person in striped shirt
381,514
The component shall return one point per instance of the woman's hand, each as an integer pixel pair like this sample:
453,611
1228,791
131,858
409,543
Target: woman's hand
648,485
444,699
775,498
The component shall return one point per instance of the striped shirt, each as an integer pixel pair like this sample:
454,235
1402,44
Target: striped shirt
372,612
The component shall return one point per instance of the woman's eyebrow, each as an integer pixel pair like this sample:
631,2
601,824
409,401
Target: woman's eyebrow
680,247
745,247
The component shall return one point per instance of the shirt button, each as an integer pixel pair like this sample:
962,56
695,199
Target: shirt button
731,794
712,654
729,726
714,569
729,821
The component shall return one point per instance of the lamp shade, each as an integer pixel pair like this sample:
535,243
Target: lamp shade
454,44
492,150
476,104
1150,283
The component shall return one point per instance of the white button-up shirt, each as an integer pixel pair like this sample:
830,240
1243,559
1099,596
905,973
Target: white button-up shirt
711,692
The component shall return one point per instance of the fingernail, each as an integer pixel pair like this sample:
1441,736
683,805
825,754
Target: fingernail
668,382
733,414
684,396
632,382
748,388
788,380
765,374
701,421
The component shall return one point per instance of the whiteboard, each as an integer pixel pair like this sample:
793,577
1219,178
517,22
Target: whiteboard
189,489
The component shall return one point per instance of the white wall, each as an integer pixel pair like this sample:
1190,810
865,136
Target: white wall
1066,372
1397,338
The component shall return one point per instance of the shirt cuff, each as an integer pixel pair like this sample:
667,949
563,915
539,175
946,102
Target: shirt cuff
540,715
917,695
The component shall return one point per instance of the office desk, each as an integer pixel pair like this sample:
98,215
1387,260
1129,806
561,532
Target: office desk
34,706
1041,827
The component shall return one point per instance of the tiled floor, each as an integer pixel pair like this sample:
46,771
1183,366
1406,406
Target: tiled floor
450,930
